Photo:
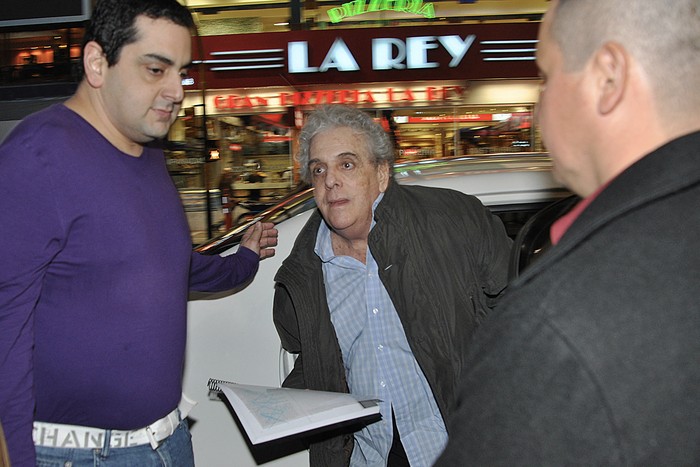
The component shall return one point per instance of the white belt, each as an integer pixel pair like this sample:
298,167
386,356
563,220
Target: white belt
57,435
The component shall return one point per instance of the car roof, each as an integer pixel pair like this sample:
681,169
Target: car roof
497,180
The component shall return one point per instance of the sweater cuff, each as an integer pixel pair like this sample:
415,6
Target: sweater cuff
247,254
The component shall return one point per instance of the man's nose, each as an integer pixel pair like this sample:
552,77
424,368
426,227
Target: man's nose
174,91
331,179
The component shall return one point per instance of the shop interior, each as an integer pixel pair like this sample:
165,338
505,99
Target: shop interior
460,131
246,162
251,156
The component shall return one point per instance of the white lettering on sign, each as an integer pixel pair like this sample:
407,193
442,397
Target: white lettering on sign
456,47
387,54
298,57
383,57
417,52
338,57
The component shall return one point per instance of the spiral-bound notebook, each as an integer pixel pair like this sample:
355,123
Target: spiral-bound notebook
269,413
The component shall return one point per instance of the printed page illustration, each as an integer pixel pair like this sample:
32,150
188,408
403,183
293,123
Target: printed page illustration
268,413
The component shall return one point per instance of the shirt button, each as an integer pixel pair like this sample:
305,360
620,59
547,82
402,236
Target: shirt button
375,310
382,384
380,347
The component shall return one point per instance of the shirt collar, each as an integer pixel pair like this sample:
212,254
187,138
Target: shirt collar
562,225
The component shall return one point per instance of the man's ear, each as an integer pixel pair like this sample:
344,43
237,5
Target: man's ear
384,176
611,64
94,64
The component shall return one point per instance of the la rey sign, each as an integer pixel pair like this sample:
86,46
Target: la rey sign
372,55
387,54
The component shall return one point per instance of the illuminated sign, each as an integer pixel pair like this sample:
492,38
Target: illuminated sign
387,53
359,7
354,55
339,96
451,118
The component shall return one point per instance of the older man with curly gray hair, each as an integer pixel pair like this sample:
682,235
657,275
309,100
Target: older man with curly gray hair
383,289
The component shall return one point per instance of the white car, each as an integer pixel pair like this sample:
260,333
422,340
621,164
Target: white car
232,337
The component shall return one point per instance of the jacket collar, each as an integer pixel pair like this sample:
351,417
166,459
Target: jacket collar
392,193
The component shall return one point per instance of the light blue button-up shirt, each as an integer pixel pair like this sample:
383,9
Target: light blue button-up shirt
378,360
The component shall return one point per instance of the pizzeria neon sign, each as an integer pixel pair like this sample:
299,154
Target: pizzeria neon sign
359,7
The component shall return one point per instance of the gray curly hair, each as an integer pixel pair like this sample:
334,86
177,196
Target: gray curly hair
331,116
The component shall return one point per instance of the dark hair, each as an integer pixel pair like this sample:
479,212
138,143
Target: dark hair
112,22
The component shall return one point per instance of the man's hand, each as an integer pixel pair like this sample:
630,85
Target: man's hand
261,237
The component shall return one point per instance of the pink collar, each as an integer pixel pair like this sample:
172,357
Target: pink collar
561,225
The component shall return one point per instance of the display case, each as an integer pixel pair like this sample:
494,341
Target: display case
195,205
234,158
189,165
258,150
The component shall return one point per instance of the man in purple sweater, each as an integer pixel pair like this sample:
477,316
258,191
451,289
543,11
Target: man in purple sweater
96,260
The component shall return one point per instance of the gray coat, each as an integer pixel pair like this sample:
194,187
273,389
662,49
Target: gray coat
441,257
593,355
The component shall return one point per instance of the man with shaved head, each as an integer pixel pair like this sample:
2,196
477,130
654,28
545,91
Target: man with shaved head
592,356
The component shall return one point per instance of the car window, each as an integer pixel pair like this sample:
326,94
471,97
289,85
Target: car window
532,238
515,216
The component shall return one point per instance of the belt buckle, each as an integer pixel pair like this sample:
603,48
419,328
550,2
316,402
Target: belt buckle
152,430
152,437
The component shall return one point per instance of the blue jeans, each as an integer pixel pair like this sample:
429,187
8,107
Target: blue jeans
174,451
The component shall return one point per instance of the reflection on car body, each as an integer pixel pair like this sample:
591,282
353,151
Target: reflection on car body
232,337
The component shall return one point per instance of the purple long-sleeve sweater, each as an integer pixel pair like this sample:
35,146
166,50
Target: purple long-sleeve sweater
95,267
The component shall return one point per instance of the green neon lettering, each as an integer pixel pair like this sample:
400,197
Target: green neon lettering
335,15
414,6
428,10
374,5
400,5
358,7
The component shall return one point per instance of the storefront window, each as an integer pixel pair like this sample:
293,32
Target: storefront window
245,164
466,130
254,164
